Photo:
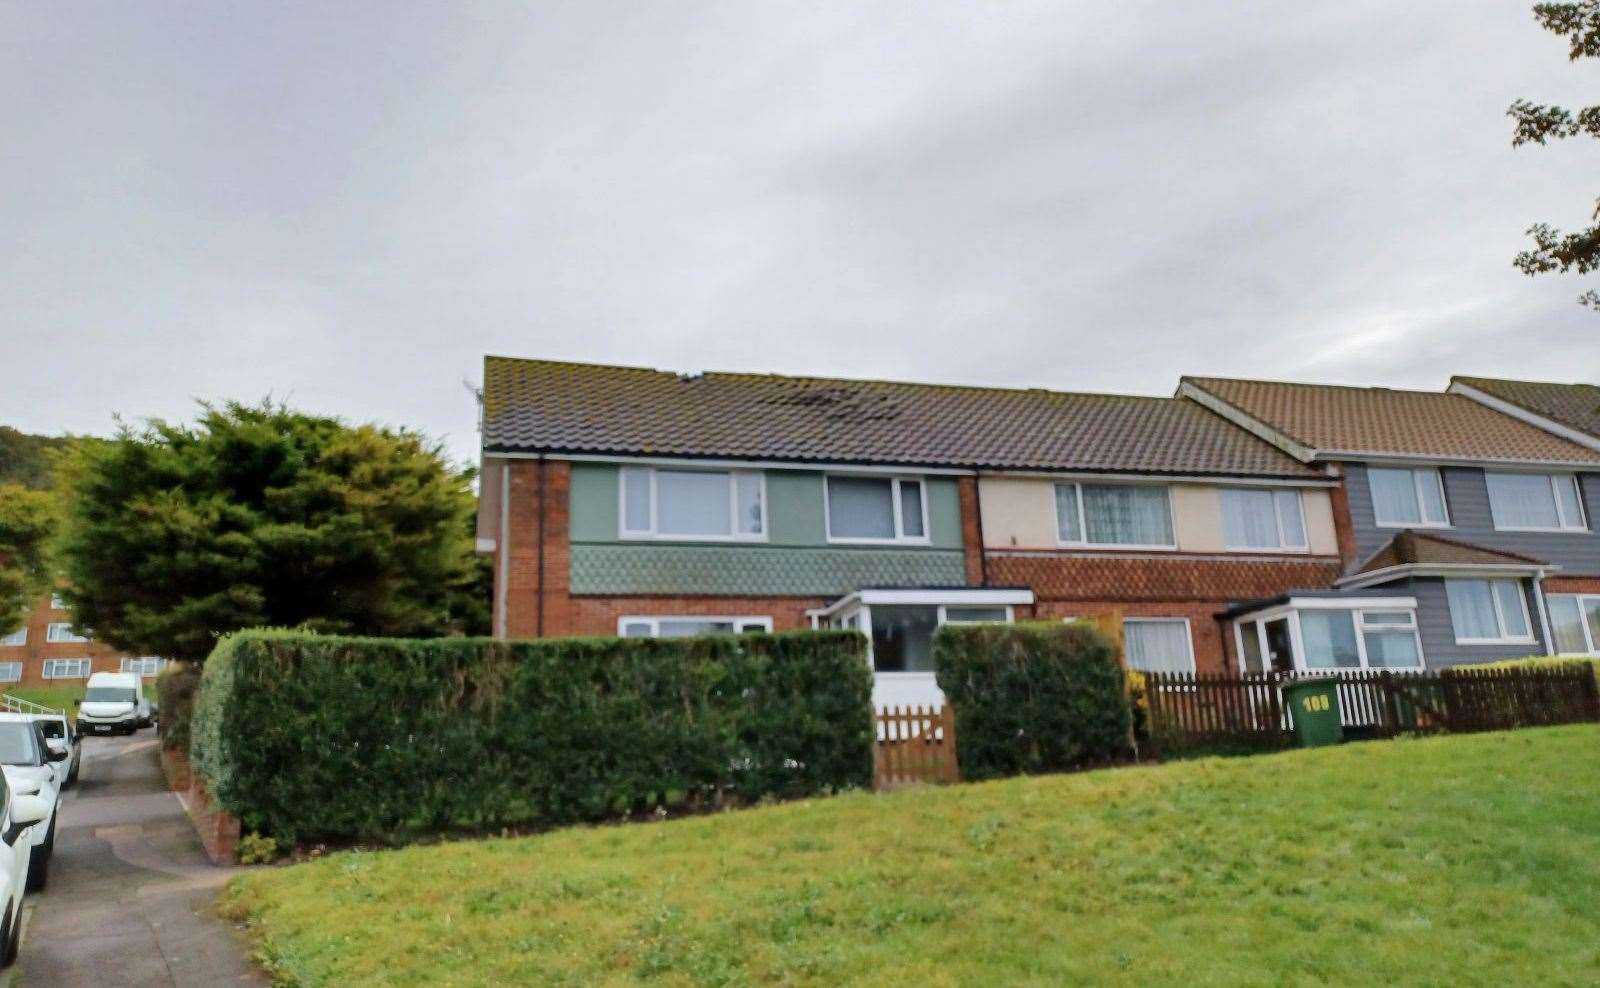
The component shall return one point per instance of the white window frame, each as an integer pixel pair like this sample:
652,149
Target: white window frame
11,672
741,625
1188,634
652,533
944,613
1292,610
57,603
1563,524
1416,484
900,538
1277,517
1083,521
1592,646
139,664
51,667
64,635
1499,613
15,638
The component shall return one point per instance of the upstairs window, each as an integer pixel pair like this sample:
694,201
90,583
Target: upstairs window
1262,520
1535,501
144,665
684,627
1407,498
1114,514
1488,611
717,505
877,509
61,631
18,637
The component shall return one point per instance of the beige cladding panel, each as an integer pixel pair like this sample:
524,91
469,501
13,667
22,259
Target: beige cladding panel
1196,518
1018,512
1318,507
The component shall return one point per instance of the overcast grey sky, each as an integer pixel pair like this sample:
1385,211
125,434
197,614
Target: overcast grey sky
347,205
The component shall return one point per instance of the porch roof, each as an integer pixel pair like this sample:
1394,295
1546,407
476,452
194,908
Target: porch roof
1357,598
1412,553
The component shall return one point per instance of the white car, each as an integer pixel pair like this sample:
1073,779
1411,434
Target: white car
113,703
18,815
58,727
29,763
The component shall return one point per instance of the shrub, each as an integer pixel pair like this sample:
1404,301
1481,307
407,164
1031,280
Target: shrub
305,736
1035,697
256,849
1541,662
175,691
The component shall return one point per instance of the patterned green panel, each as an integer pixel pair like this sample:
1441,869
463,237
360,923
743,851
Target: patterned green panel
756,570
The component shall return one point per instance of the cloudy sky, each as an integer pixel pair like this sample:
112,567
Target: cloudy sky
346,205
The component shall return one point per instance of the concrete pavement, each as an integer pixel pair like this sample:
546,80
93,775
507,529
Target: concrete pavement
130,895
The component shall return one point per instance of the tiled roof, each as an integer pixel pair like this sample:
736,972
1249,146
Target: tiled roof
1328,420
1576,406
1414,548
548,406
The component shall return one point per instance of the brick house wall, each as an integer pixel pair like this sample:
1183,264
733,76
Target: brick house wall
37,649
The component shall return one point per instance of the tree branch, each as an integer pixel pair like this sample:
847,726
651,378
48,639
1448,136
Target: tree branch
1578,22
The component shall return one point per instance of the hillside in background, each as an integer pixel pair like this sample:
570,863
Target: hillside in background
24,458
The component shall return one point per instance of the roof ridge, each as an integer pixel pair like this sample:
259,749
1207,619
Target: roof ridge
1369,388
1465,378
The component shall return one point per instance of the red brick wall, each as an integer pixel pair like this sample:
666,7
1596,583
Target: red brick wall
33,653
971,531
1344,529
537,603
1572,584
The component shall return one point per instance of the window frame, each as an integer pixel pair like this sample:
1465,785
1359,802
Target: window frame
1591,644
1561,526
1304,548
754,621
1083,519
1499,616
49,664
1188,634
66,637
6,667
1416,488
127,660
21,636
654,534
895,480
1291,611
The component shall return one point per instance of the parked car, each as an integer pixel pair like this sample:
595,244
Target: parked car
28,761
59,727
113,703
18,814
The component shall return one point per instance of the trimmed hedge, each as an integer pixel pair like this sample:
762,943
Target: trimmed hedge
1541,662
175,692
1033,697
305,736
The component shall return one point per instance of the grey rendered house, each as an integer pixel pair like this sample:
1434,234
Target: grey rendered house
1459,526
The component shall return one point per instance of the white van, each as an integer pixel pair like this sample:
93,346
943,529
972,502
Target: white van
113,703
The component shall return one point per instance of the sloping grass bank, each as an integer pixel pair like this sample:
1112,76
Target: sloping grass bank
1452,860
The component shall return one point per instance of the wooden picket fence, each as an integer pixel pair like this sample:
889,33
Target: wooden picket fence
1188,710
914,745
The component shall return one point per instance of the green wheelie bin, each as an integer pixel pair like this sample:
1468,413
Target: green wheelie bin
1314,707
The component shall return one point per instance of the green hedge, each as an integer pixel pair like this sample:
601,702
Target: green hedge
175,692
1541,661
1034,697
308,737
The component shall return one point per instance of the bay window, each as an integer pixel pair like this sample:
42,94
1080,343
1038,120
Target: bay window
876,509
1575,623
1114,514
1257,519
1310,636
717,505
1488,611
1535,502
1403,498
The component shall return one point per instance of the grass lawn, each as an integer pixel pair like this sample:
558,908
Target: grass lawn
1460,860
61,697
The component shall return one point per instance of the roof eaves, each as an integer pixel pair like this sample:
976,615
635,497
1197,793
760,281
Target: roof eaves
1523,413
1187,388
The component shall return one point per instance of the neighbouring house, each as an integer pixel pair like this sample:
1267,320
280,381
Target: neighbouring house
1460,525
638,502
1571,411
46,652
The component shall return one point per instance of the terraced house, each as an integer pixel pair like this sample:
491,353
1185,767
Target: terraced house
636,502
1466,533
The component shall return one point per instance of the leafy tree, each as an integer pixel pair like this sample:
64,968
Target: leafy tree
26,459
1552,249
261,516
26,521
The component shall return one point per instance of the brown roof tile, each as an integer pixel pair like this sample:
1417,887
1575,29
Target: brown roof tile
1410,547
1576,406
1330,420
549,406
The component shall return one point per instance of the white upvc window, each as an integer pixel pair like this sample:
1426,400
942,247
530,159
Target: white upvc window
692,505
10,672
66,668
1135,516
1263,519
144,665
1408,497
1575,623
18,637
684,625
1158,644
1535,502
57,602
1328,635
876,510
61,631
1488,612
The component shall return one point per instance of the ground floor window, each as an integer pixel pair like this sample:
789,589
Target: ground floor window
684,626
144,665
1158,644
1488,611
66,668
10,672
1330,639
1575,623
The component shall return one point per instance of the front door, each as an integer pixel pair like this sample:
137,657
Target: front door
1280,646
